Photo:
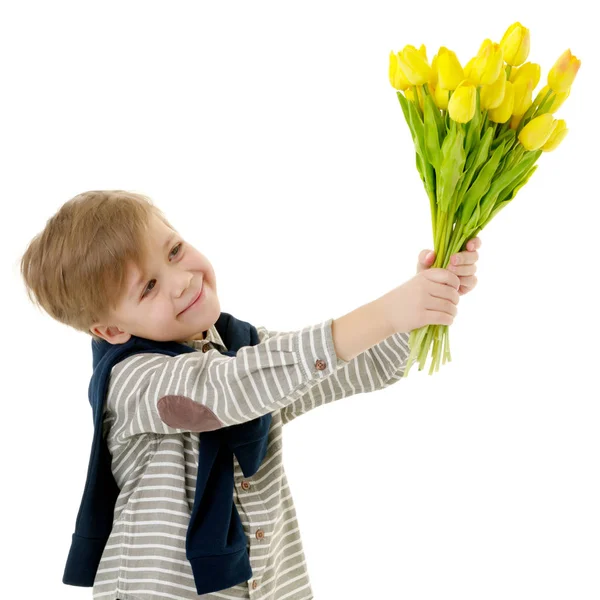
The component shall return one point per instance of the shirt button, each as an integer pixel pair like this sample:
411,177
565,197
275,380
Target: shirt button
205,348
254,584
245,485
260,534
320,365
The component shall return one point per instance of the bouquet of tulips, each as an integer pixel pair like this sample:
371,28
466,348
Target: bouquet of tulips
477,135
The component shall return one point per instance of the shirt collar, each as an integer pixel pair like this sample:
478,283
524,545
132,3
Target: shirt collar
212,335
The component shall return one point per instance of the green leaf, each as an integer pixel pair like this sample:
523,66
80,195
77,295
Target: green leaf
451,168
414,124
473,127
431,133
507,135
500,205
475,160
512,190
417,126
516,172
481,185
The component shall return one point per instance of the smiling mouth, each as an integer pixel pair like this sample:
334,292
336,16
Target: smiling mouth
195,299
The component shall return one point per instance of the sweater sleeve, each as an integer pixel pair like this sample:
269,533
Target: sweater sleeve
372,370
204,391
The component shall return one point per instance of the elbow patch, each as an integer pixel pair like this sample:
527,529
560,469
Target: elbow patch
181,412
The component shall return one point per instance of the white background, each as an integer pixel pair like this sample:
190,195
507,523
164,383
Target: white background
269,134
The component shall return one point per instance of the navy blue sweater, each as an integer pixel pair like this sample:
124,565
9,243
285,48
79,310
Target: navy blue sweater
216,544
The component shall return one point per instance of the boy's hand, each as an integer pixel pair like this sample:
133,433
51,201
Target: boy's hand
461,264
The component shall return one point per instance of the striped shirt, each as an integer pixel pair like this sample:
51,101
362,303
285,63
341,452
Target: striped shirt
155,464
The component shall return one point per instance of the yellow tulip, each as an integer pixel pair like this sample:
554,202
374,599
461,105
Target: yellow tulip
523,89
514,121
423,52
487,64
527,71
491,96
557,136
468,68
411,96
414,65
397,77
502,113
537,132
450,71
440,96
463,102
559,98
562,74
433,80
515,44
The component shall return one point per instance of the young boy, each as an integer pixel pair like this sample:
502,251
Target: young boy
186,493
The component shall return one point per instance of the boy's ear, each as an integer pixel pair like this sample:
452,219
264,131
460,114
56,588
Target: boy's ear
111,333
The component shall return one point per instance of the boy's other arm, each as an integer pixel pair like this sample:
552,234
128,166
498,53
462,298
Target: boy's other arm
204,391
376,357
197,391
372,370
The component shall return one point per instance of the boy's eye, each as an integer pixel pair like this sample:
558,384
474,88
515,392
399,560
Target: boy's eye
148,288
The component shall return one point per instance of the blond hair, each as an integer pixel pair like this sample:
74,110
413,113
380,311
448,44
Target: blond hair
75,269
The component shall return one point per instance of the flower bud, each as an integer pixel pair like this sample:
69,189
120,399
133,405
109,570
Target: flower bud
515,44
397,77
502,113
411,96
491,96
537,132
562,74
514,121
440,96
487,64
468,68
414,65
463,102
557,102
556,137
433,80
450,71
523,89
527,71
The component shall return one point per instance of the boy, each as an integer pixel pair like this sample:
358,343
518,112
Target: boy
186,493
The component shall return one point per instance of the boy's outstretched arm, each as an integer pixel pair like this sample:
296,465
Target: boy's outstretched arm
374,356
372,370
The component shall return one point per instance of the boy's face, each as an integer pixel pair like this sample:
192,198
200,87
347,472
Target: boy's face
153,306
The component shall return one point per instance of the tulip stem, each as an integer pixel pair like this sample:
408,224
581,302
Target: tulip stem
417,101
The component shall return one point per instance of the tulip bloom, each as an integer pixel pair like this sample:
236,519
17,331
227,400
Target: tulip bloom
433,80
557,136
492,95
527,71
537,132
468,68
397,77
414,65
515,44
440,97
514,121
463,102
411,96
449,70
562,74
559,98
502,113
487,64
523,90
